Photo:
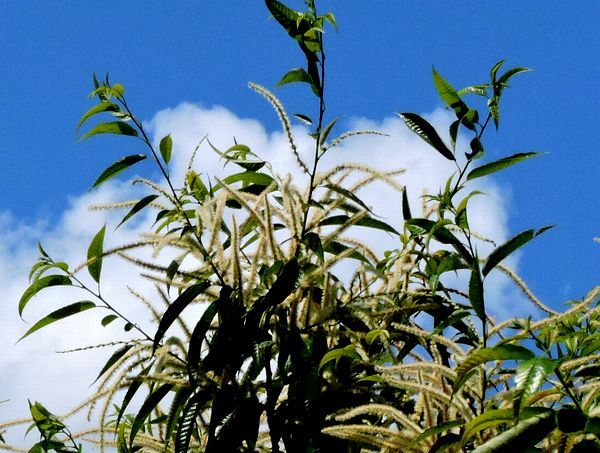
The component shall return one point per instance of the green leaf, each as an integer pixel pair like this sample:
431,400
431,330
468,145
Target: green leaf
313,242
176,308
166,146
298,75
147,407
131,391
514,243
304,118
480,356
94,255
115,127
449,95
570,420
108,319
59,314
504,78
198,336
187,422
366,221
530,375
346,193
494,70
118,167
527,433
326,131
286,17
489,418
438,429
406,214
426,131
39,284
335,354
137,208
102,107
500,164
476,292
441,234
114,358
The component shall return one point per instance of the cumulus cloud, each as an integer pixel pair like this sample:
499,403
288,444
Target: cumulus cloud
31,370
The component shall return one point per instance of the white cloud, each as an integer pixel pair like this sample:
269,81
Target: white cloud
31,370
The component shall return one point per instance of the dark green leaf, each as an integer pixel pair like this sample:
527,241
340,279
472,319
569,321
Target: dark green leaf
406,214
166,147
137,208
198,336
509,247
304,118
326,131
570,420
94,255
445,442
171,271
527,433
426,131
504,78
476,292
118,167
187,422
114,358
147,407
441,234
500,164
115,127
489,418
180,399
131,391
364,221
346,193
41,283
175,309
108,319
298,75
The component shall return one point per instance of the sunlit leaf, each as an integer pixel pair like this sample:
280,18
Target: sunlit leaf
433,431
449,95
530,375
102,107
94,255
115,127
166,147
38,285
59,314
500,164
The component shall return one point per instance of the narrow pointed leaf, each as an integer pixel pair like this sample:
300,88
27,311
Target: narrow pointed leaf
137,208
509,247
476,292
187,422
449,95
406,214
182,395
147,407
118,167
114,358
364,222
489,418
500,164
481,356
504,78
326,131
166,147
531,374
38,285
438,429
426,131
346,193
176,308
115,127
131,391
198,336
59,314
102,107
526,434
94,254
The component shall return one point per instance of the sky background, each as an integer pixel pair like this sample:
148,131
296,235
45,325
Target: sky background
204,53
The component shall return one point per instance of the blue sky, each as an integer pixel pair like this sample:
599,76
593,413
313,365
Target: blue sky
204,53
379,63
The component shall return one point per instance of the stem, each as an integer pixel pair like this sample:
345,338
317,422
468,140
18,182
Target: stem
179,205
567,388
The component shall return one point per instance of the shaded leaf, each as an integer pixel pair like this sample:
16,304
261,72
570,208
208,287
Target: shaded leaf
147,407
298,75
114,358
426,131
514,243
108,319
336,354
489,418
348,194
570,420
500,164
364,221
176,308
94,254
187,422
438,429
198,336
141,204
118,167
406,214
476,292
